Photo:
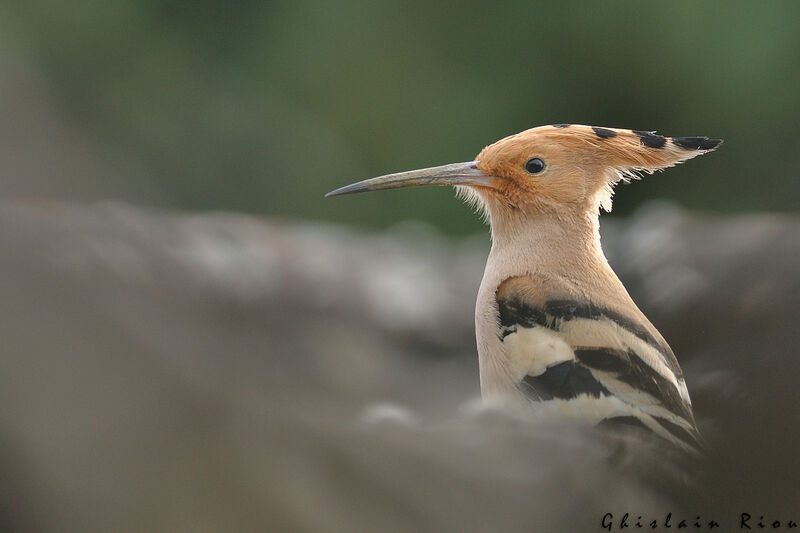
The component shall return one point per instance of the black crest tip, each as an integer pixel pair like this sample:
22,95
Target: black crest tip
696,143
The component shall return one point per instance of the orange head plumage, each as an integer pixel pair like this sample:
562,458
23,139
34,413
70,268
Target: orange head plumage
555,169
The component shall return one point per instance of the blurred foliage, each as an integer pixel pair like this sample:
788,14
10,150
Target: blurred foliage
265,106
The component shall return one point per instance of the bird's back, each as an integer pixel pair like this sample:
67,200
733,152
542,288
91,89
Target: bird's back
588,353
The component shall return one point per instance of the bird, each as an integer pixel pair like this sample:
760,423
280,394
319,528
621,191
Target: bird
555,327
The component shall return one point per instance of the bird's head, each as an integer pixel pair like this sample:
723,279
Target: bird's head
559,170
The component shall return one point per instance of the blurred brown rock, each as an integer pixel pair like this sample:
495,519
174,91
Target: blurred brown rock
167,371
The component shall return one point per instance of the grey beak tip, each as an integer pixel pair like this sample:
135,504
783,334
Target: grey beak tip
338,192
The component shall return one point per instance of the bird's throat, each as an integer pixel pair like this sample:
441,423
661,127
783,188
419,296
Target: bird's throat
542,242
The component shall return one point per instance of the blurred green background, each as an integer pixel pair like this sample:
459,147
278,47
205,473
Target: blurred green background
264,106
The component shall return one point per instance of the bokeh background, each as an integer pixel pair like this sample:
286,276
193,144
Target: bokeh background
264,106
193,339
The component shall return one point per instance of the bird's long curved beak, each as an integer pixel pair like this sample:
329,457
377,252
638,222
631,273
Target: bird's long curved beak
454,174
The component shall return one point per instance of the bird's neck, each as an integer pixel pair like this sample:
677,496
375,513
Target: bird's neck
530,243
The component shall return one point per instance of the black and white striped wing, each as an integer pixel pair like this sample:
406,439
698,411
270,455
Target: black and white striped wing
595,364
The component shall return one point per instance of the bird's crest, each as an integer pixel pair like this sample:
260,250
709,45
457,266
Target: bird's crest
584,162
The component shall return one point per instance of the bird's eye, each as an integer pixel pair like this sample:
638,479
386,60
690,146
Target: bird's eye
534,166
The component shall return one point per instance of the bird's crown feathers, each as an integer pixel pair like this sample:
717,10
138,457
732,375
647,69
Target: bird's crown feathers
575,164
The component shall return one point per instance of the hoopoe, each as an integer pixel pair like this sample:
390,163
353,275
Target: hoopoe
554,324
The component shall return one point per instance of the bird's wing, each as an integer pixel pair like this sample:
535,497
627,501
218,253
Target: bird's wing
591,362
